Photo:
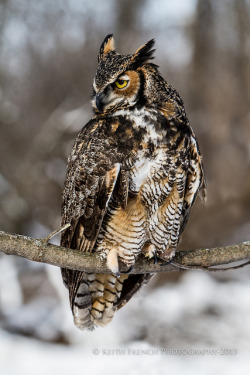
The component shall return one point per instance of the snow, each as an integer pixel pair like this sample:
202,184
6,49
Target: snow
10,291
21,356
200,324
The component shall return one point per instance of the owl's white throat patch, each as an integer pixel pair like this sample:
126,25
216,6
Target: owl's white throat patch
142,118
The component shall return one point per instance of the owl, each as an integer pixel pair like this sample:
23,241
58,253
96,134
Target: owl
133,175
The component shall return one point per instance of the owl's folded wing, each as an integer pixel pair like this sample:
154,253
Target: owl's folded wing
195,182
89,186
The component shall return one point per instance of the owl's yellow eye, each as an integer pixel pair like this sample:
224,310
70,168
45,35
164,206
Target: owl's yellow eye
121,83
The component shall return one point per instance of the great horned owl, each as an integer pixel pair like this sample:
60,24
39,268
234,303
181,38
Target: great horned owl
133,175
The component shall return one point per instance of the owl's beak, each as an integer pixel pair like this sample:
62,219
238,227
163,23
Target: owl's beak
99,101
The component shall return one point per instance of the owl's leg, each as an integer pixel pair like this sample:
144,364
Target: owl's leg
112,261
111,257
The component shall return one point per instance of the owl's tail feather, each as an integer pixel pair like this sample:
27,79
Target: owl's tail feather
96,300
81,307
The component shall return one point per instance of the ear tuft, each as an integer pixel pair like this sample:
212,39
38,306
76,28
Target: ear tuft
108,45
144,53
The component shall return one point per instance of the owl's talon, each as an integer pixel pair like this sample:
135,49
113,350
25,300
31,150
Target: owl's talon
155,258
130,269
166,263
167,255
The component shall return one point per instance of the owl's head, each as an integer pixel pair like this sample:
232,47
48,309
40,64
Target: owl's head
119,80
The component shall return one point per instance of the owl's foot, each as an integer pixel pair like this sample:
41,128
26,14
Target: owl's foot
149,250
112,262
166,263
167,255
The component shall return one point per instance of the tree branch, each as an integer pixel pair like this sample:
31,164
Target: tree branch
40,251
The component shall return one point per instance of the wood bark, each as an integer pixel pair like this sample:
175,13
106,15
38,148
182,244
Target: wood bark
39,250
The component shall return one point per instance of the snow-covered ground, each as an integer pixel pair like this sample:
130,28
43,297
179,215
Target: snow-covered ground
20,356
197,325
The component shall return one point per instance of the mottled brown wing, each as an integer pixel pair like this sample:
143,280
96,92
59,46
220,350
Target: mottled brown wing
91,179
93,198
195,182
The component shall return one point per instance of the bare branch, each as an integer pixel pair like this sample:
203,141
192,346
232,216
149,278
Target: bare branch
39,251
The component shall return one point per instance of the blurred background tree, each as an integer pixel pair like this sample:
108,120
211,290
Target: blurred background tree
48,61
